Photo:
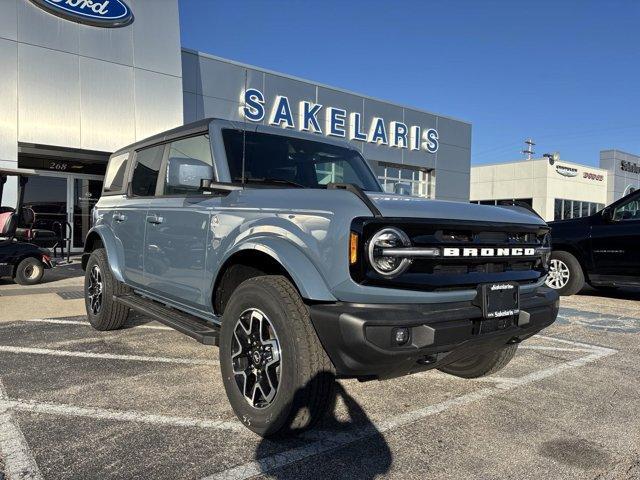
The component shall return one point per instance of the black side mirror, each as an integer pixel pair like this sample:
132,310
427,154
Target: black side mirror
607,214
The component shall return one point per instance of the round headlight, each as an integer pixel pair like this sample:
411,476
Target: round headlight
388,265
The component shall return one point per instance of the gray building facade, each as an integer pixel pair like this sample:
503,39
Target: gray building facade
215,87
624,173
76,87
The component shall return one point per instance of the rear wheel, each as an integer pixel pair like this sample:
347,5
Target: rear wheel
29,271
482,365
278,378
103,312
565,273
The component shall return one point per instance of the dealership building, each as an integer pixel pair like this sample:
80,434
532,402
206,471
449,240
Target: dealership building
82,78
557,189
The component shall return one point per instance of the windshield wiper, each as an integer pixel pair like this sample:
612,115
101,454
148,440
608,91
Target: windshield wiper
272,180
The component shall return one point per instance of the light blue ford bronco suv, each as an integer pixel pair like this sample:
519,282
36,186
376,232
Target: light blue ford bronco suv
281,248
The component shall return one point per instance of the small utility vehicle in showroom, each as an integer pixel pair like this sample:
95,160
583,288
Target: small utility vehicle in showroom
281,247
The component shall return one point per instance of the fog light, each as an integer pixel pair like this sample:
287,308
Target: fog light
401,335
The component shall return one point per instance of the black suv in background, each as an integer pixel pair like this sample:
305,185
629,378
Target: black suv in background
602,249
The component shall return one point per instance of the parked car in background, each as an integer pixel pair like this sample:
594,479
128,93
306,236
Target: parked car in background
602,250
281,247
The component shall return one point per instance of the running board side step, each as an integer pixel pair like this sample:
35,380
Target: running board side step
190,325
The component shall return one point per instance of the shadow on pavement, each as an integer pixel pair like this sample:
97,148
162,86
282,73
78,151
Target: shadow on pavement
370,458
622,293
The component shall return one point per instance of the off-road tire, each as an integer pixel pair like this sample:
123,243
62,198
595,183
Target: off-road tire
112,314
307,378
576,275
29,271
482,365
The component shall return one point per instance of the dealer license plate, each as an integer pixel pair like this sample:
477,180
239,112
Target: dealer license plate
500,299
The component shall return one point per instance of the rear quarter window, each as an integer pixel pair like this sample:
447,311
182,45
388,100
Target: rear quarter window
114,179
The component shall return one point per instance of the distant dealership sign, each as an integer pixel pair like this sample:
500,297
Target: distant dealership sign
306,116
566,171
98,13
629,167
593,176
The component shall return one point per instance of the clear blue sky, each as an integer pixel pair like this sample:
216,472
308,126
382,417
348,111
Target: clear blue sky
566,73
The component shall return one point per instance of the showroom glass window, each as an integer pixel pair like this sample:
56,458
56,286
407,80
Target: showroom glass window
145,175
566,209
557,209
413,181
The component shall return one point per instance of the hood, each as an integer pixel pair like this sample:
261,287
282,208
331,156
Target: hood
570,222
391,205
560,228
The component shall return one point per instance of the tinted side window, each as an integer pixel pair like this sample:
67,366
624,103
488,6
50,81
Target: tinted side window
189,162
114,178
145,175
628,211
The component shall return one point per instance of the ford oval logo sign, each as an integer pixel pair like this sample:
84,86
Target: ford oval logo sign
98,13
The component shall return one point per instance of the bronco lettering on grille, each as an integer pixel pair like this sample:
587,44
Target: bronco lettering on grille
488,252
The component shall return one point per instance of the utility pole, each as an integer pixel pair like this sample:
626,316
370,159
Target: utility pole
528,149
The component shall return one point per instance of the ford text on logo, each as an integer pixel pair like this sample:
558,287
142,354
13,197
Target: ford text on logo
566,171
98,13
337,122
489,252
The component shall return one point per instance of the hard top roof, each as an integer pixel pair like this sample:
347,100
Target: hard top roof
201,126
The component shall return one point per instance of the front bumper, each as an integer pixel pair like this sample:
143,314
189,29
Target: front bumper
359,337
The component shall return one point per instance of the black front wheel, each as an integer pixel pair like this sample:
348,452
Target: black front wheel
103,312
277,376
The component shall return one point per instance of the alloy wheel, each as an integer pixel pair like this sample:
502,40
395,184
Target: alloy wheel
94,291
256,358
558,275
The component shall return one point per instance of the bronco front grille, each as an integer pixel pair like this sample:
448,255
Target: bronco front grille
460,272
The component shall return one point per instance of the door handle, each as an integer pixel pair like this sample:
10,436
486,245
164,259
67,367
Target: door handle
154,219
119,217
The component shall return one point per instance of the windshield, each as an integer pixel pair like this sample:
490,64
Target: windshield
287,161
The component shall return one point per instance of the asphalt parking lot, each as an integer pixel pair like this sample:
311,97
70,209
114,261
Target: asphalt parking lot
147,402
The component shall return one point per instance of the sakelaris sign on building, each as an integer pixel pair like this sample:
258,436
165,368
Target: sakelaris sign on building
337,122
98,13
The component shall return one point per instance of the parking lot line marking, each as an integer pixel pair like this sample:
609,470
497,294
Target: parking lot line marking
554,349
56,321
19,463
576,344
329,441
121,416
108,356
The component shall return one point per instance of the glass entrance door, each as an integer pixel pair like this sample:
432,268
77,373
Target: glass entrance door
86,193
58,199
